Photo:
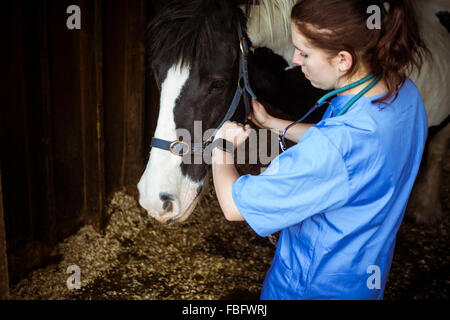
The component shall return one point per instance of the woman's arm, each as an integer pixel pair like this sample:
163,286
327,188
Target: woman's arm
263,119
224,174
224,171
295,133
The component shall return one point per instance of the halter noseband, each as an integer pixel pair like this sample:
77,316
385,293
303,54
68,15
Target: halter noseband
181,148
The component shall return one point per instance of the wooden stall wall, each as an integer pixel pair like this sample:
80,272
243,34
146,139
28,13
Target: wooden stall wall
4,281
76,120
124,80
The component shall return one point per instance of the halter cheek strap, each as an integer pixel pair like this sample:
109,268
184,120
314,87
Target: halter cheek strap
244,89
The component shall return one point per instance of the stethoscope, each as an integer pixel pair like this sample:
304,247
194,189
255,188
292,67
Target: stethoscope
322,101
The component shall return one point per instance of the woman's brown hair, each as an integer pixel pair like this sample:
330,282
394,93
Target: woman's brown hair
341,25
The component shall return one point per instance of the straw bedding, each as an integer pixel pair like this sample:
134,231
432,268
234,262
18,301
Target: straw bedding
207,257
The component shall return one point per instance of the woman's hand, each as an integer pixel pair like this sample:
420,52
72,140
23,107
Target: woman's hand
234,132
259,116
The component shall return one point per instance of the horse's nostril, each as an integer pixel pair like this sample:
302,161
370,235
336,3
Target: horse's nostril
167,206
164,196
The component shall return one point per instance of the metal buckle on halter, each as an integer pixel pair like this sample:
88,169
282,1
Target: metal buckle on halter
240,83
180,153
242,43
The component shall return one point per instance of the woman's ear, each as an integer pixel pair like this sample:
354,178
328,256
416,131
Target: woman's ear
344,61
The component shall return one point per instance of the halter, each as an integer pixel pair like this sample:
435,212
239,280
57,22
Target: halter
181,148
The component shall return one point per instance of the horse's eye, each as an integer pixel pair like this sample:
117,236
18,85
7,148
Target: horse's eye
217,84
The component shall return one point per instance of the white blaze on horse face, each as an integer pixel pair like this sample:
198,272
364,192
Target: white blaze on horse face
163,190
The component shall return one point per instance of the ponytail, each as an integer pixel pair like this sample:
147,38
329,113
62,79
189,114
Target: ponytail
400,47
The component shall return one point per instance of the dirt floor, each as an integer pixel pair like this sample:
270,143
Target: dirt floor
207,257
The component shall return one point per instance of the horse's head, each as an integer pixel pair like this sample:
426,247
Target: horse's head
194,58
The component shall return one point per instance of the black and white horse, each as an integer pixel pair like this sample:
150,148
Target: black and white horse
194,58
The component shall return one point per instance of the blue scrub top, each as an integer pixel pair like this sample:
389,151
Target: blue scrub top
338,196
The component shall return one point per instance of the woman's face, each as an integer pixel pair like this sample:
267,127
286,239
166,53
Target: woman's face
322,72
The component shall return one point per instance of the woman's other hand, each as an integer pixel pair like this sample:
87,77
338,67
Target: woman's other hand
259,116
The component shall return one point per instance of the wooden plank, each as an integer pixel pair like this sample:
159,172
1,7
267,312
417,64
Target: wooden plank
92,112
76,78
4,279
13,135
29,219
67,118
99,223
124,81
47,228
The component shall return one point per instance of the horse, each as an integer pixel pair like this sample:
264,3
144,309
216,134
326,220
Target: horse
194,55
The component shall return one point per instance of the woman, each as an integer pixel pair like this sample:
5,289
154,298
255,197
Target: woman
338,195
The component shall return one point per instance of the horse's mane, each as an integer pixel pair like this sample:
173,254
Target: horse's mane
277,12
269,25
183,31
